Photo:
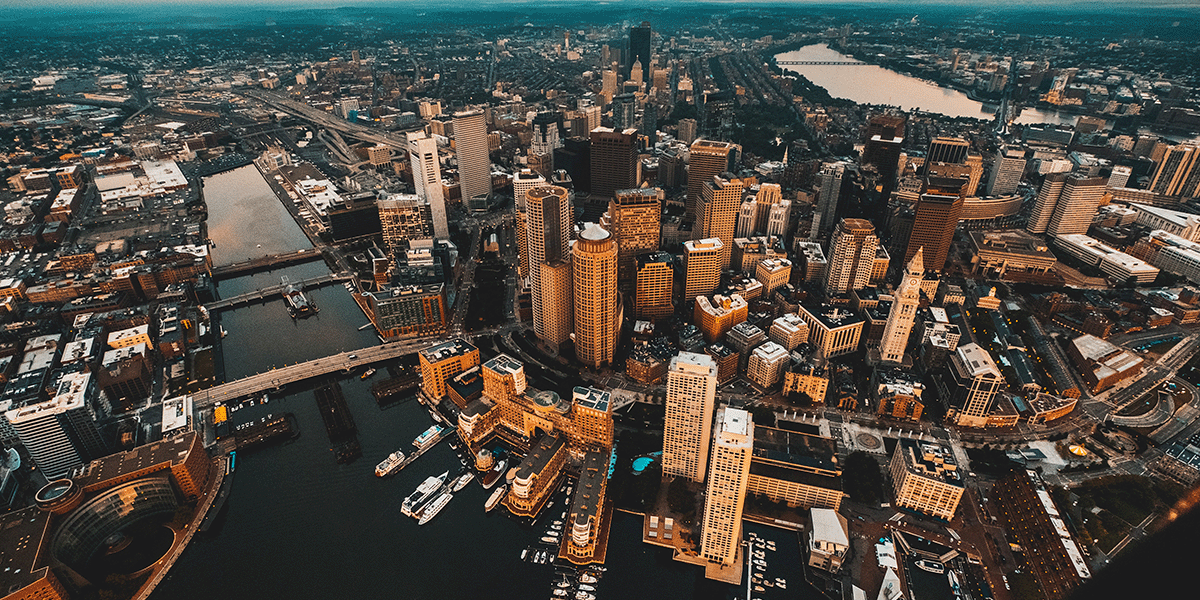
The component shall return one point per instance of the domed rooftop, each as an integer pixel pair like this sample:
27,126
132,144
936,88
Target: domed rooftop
594,233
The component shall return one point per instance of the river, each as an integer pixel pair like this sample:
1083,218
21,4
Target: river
871,84
299,525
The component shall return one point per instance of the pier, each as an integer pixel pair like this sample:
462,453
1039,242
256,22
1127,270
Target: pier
411,458
266,263
275,290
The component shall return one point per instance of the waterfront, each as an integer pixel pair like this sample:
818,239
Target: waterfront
246,219
871,84
299,525
262,336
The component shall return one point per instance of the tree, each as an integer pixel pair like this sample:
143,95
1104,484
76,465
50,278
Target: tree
680,499
862,478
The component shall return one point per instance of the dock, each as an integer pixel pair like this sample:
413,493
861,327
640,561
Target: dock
264,431
410,458
339,423
382,390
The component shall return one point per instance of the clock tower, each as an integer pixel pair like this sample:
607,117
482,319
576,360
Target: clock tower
904,310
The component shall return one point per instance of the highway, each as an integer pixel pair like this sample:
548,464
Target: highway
328,120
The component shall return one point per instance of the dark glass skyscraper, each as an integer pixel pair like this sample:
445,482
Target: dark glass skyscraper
639,50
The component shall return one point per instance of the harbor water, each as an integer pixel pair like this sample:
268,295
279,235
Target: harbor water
871,84
299,525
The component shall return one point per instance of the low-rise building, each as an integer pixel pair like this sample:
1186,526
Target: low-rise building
795,468
828,541
1102,364
832,331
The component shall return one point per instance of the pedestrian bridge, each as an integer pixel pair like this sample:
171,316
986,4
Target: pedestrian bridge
846,63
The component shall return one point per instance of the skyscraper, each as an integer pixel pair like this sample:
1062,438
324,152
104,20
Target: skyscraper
1047,199
829,181
934,221
716,214
403,217
634,217
707,159
851,256
691,396
975,379
1081,196
1007,167
548,227
701,267
471,145
904,309
594,280
655,279
1178,173
613,161
639,48
427,177
728,477
624,109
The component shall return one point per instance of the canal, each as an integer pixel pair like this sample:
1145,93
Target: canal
871,84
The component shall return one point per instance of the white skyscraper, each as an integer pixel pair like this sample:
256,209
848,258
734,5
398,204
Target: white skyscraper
471,144
691,396
729,474
427,176
904,309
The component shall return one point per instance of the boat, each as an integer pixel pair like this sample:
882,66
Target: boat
549,540
298,305
585,578
494,474
495,498
423,494
931,566
367,374
463,480
435,507
427,437
390,464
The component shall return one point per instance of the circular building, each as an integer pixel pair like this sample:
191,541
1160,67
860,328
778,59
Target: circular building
84,533
60,496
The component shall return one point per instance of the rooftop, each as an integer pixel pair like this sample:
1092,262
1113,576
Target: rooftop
448,349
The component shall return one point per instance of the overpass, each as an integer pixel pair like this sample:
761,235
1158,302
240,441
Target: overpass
265,263
822,62
275,290
329,120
